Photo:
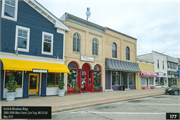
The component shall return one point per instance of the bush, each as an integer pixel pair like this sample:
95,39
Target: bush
96,88
11,84
61,83
76,89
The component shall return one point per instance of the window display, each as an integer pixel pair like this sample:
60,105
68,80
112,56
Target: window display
151,81
116,78
17,75
131,79
53,79
72,78
97,75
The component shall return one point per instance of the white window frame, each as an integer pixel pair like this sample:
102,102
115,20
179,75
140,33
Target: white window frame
16,38
95,47
76,42
152,80
141,82
15,11
52,39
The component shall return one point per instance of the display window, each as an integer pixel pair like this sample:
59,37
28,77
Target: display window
53,79
17,75
116,78
131,79
97,75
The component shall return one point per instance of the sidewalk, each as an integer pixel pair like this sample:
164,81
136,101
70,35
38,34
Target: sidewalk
72,101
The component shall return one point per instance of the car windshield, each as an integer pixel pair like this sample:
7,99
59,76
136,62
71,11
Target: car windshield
177,86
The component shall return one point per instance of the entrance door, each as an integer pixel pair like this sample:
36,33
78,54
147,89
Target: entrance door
86,69
33,84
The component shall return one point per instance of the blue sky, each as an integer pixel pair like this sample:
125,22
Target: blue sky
155,24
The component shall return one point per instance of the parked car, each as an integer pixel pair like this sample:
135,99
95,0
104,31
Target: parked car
173,91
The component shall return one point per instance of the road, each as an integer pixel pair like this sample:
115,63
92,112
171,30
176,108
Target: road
149,108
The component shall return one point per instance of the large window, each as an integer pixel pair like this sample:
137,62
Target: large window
151,81
9,9
168,64
160,81
76,42
47,43
97,75
131,79
17,75
116,78
72,80
143,81
95,47
157,63
53,79
127,53
22,39
114,50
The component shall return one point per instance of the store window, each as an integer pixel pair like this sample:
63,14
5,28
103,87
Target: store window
114,50
116,78
17,75
127,53
76,42
151,81
143,81
72,80
95,47
97,75
53,79
160,81
131,79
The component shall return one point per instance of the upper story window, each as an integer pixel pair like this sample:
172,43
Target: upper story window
9,9
22,39
127,53
157,63
95,47
114,50
47,43
76,42
163,64
168,64
172,65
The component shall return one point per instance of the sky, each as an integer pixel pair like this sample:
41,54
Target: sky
155,24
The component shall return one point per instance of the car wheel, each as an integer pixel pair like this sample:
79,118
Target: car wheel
176,93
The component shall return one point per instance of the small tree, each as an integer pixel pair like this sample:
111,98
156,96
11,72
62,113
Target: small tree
76,89
61,83
11,84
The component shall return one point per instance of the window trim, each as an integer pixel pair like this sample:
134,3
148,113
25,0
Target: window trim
97,47
52,39
127,53
76,42
15,11
115,50
16,38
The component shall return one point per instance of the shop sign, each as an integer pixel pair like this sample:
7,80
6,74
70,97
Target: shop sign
85,58
161,74
41,71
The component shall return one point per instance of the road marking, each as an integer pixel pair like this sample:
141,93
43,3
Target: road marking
84,112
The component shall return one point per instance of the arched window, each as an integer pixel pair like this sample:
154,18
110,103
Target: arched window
76,42
97,75
95,47
114,50
127,53
72,80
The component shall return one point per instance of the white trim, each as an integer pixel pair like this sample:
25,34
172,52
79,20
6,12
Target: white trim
52,39
16,38
30,58
15,14
60,31
40,71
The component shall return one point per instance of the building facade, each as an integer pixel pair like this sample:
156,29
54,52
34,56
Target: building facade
160,67
172,68
146,79
32,48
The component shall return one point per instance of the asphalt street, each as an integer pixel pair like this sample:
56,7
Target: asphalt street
149,108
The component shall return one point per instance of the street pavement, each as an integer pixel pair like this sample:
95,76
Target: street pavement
74,101
149,108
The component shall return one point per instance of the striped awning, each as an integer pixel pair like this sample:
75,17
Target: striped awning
119,65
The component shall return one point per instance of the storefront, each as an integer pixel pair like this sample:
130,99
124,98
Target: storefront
178,77
161,80
33,78
120,73
85,79
172,78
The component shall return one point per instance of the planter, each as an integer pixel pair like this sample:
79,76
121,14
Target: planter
61,92
10,96
145,87
153,87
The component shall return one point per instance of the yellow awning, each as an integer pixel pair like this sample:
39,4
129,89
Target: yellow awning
23,65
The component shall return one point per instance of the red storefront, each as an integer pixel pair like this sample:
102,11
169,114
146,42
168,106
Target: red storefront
85,79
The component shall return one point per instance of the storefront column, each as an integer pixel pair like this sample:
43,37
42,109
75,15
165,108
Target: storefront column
65,81
127,80
120,79
92,80
80,80
2,83
111,79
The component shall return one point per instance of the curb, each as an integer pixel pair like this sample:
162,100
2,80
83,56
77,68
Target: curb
100,102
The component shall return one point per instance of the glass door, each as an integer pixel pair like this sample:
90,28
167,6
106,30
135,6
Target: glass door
33,84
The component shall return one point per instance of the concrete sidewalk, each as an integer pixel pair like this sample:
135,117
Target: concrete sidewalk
72,101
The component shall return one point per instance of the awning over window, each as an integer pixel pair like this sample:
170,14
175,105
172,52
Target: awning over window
151,74
119,65
23,65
